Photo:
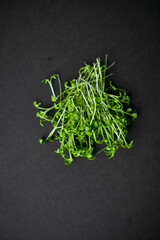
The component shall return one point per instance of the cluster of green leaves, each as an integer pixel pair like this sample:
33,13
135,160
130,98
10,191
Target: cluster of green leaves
88,111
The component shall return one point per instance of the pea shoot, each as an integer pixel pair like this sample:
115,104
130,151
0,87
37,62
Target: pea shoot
90,110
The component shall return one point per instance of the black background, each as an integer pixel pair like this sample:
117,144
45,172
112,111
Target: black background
40,197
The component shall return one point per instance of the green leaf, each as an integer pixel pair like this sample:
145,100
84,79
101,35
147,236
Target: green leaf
58,150
54,76
42,141
45,81
129,110
134,115
53,98
36,104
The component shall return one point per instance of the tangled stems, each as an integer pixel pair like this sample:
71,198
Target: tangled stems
88,111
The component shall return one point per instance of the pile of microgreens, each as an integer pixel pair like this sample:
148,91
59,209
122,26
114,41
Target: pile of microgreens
88,111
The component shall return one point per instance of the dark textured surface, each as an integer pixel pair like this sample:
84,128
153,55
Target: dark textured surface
40,197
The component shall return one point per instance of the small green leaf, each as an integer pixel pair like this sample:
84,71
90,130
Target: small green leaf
36,104
45,81
58,150
53,98
38,114
134,115
129,110
54,76
42,141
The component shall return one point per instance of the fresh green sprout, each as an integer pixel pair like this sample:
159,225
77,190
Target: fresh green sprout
90,110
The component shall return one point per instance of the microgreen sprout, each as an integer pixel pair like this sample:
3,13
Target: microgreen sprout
90,110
